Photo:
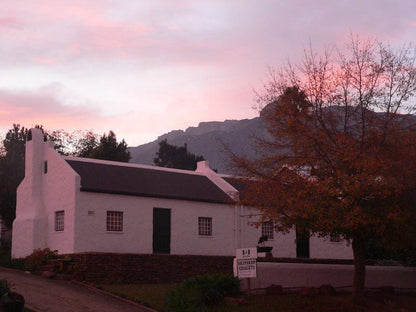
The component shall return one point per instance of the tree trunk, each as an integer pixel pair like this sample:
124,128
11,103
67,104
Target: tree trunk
358,247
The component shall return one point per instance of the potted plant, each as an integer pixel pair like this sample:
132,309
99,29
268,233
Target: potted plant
261,247
10,301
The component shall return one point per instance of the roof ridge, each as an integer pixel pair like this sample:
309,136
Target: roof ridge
133,165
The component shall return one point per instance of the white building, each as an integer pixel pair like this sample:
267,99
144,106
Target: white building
76,205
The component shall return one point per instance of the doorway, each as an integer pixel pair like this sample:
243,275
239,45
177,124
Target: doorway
161,231
302,243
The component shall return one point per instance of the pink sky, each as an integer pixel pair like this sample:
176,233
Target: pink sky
143,68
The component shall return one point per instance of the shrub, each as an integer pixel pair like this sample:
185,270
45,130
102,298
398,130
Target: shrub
39,257
10,301
5,287
8,262
376,250
201,293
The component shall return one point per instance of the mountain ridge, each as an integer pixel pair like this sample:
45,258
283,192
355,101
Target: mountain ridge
207,139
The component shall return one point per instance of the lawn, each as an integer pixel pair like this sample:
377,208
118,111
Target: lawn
153,296
150,295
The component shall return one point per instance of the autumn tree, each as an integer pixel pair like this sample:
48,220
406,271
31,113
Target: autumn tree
340,155
172,156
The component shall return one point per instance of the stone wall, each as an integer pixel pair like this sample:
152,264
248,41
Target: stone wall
145,268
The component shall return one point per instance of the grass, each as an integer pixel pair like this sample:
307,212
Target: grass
152,295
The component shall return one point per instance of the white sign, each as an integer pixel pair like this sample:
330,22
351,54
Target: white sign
246,253
246,268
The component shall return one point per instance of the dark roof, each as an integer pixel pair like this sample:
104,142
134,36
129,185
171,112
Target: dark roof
239,184
128,180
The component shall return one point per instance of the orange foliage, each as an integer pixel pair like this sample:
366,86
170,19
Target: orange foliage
340,158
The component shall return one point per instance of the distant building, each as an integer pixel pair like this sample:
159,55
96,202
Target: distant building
76,205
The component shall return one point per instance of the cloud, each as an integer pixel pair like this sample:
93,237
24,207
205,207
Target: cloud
174,63
41,108
8,22
194,33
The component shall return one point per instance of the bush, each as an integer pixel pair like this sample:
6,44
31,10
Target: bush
8,262
10,301
377,251
39,257
202,293
5,287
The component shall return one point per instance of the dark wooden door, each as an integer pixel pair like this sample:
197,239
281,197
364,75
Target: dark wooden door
161,231
302,244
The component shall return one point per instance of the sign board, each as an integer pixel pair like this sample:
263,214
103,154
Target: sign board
246,268
246,253
245,263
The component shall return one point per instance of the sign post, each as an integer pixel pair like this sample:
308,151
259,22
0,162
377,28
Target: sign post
245,263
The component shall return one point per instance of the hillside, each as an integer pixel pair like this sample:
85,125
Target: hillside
207,139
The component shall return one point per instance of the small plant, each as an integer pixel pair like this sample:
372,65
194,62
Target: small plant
39,257
262,239
260,244
5,287
10,301
202,293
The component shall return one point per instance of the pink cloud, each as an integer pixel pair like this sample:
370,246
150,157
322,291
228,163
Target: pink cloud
8,22
202,57
67,30
41,108
44,60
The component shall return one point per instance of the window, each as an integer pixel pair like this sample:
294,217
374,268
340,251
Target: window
205,226
59,220
267,229
114,221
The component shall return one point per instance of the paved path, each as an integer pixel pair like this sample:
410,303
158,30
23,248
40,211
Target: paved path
46,295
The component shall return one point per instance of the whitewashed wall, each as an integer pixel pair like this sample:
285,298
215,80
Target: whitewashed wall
39,196
59,189
137,235
337,275
325,249
30,223
284,244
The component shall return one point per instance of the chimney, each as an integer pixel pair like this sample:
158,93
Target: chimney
34,160
203,166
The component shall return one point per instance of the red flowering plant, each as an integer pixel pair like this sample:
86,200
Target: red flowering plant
39,257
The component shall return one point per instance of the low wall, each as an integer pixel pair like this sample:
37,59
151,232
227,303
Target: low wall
140,268
338,275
